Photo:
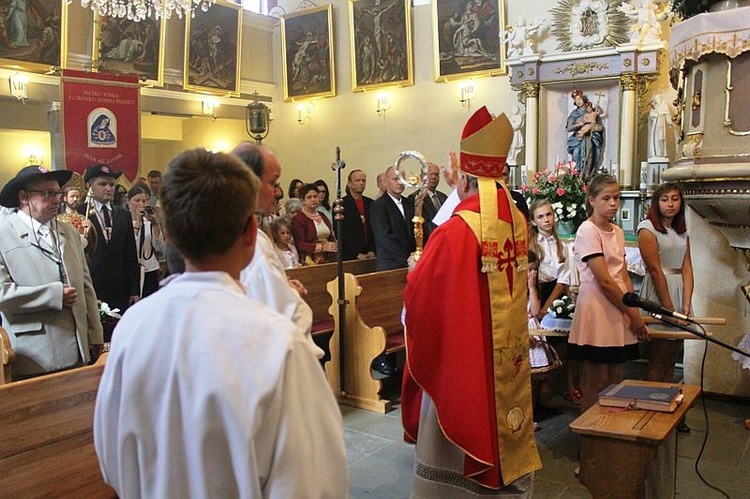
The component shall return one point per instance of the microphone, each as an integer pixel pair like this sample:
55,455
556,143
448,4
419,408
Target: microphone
633,300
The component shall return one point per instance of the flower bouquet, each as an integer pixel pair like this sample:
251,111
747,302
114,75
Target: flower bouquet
564,188
562,308
107,314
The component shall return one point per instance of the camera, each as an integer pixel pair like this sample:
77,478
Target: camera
148,210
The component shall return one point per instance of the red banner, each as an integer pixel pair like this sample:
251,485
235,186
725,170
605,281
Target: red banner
101,121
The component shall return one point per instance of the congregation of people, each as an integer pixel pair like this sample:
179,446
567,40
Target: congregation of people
241,407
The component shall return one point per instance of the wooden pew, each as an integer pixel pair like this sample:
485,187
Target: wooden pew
315,278
6,356
47,439
372,326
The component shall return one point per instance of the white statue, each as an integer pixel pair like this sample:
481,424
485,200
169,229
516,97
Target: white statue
516,122
659,118
520,38
647,17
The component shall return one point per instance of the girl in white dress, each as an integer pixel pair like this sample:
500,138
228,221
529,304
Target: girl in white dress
282,239
665,248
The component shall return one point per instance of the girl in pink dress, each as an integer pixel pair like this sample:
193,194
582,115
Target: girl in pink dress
605,332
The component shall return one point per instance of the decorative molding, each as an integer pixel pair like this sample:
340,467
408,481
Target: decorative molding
530,90
581,68
583,25
692,146
628,82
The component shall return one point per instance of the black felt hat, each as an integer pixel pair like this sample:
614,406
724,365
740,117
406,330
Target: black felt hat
100,170
32,173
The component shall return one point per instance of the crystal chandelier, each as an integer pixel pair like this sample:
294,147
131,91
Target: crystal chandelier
138,10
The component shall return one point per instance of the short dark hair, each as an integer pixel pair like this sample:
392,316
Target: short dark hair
307,188
154,174
207,200
139,189
252,155
351,173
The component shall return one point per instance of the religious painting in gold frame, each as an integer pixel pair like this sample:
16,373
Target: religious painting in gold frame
307,53
381,46
466,38
212,50
123,46
34,39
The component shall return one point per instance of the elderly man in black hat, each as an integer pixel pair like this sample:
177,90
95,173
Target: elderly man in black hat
114,259
47,299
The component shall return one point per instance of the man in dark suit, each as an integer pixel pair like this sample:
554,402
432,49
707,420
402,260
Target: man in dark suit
392,227
114,259
433,200
517,196
356,239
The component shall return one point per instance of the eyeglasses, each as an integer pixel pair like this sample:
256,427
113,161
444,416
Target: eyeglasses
48,194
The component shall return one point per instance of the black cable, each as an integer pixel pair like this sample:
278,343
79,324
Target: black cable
705,418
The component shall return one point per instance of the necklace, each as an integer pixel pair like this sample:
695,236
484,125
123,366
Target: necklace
315,216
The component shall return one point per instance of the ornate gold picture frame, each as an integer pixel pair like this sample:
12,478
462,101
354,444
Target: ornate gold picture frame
124,46
307,54
466,38
381,45
212,50
36,39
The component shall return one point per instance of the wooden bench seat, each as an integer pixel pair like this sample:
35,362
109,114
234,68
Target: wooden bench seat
372,325
47,440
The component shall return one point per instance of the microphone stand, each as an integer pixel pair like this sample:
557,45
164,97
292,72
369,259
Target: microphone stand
700,334
338,218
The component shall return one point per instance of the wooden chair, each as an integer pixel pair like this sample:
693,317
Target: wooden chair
372,326
46,442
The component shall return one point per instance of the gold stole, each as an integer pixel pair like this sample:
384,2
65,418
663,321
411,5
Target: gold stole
504,246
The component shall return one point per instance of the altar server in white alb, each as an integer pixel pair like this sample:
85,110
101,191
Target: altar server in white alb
208,393
264,278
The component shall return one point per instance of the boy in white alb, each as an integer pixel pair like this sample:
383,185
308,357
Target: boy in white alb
208,393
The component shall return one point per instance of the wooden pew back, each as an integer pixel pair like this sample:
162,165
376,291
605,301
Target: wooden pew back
47,440
381,303
315,278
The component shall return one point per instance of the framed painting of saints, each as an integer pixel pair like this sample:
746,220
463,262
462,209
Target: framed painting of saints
33,35
212,49
466,38
307,53
381,43
125,46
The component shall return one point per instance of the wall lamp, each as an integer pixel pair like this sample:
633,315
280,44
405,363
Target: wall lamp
383,104
466,89
18,84
208,107
304,112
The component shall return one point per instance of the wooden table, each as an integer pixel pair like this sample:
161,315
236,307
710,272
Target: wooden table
621,449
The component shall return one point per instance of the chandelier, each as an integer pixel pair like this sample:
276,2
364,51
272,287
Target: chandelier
138,10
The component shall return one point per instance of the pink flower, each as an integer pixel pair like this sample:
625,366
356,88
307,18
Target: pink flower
524,188
585,188
535,191
552,178
560,191
536,176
